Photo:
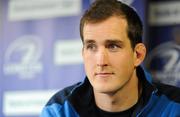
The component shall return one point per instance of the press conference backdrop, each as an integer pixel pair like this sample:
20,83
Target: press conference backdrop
163,41
40,50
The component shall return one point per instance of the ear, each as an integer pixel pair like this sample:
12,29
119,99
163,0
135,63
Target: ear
139,54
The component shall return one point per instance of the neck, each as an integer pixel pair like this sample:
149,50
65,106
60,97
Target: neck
121,100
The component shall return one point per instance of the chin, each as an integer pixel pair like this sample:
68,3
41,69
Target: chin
104,89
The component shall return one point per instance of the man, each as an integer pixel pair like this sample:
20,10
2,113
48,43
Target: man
116,85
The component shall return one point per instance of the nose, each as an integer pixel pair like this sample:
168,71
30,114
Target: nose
102,57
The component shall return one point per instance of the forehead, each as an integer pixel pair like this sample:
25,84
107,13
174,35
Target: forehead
113,27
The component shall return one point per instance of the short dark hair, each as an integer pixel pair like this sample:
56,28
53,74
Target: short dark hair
101,10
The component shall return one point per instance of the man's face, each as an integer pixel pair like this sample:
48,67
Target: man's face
108,56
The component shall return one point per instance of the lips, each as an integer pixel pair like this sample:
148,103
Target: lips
104,74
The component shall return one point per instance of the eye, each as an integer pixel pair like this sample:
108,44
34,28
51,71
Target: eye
91,47
113,47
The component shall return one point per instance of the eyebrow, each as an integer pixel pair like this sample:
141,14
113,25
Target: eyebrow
106,41
114,41
88,41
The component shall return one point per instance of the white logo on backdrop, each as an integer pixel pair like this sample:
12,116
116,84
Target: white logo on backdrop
164,13
167,56
68,52
22,57
41,9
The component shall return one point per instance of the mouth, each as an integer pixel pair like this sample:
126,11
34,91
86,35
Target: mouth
104,74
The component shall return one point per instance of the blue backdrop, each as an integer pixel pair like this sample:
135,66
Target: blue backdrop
40,50
163,41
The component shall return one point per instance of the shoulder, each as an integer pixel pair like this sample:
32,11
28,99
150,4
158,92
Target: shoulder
61,96
172,92
59,105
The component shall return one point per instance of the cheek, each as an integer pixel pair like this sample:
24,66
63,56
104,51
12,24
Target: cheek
88,63
122,61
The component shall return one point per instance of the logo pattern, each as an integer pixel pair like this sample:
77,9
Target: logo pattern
164,63
22,57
